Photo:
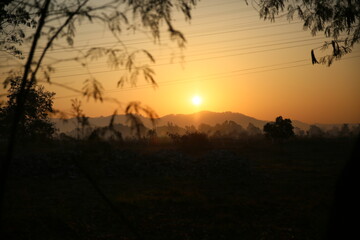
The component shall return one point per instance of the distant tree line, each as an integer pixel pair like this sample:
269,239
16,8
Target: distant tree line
36,124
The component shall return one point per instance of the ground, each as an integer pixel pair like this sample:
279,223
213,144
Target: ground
250,189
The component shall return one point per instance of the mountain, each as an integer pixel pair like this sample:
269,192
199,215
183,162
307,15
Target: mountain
211,118
182,120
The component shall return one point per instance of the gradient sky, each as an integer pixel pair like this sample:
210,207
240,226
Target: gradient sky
233,60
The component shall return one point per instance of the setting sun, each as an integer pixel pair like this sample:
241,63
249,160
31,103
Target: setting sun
196,100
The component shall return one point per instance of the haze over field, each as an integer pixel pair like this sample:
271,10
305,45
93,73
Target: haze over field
186,120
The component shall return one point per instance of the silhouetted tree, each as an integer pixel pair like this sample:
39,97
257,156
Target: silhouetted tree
109,132
338,20
175,137
299,132
315,131
355,130
279,130
345,130
253,130
173,128
333,132
229,129
151,136
57,20
190,129
35,122
205,128
82,120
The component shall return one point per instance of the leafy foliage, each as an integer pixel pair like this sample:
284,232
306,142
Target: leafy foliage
35,121
93,88
253,130
114,14
337,19
280,129
58,21
133,111
81,119
315,131
13,23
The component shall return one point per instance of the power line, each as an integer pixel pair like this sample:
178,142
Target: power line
214,42
239,72
193,60
216,50
198,17
194,35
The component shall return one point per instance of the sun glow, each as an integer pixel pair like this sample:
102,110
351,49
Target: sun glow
196,100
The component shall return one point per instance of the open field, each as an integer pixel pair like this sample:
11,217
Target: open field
233,190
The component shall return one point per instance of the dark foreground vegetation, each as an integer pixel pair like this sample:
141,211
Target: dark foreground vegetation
225,189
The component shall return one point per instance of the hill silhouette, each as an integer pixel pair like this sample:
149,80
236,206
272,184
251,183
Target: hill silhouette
181,120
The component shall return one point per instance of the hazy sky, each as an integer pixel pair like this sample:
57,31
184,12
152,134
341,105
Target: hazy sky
233,61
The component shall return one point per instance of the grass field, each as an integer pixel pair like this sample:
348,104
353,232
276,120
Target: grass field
230,190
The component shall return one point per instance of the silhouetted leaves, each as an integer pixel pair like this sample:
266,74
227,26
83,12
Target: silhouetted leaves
81,120
269,9
115,20
93,88
12,25
116,15
35,122
313,58
108,132
336,19
280,130
133,110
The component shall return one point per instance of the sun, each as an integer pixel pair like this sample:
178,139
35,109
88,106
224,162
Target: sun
196,100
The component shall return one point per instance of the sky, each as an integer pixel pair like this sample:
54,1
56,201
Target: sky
233,61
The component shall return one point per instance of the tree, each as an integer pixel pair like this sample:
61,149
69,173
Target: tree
173,128
299,132
228,129
58,20
336,19
333,132
253,130
82,120
279,130
190,129
35,122
315,131
205,128
13,21
345,130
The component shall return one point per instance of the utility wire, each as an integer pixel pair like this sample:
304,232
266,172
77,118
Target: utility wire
193,60
216,76
219,49
200,53
188,36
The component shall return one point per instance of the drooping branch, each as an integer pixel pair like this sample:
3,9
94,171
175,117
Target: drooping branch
339,20
49,43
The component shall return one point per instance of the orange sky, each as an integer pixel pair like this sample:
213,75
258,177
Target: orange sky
233,60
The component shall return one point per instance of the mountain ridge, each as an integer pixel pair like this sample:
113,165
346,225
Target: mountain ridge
182,120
